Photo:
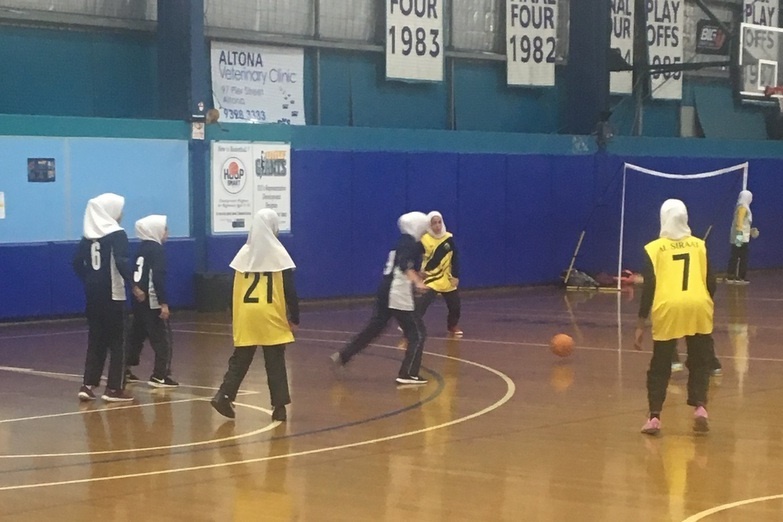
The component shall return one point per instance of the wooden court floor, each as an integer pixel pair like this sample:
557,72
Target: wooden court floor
504,431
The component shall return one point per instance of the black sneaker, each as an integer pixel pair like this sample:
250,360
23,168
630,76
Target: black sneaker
166,382
116,396
411,379
130,377
86,393
279,414
222,405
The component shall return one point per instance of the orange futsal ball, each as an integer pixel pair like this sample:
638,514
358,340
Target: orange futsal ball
561,345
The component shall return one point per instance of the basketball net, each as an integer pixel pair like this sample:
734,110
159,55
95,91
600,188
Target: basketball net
777,94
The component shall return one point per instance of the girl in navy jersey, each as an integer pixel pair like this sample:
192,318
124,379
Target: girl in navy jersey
265,313
101,262
395,298
150,317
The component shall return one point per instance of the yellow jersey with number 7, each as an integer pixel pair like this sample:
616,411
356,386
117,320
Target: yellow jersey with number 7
259,313
681,303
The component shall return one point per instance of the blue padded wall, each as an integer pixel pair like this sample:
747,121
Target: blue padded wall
322,226
24,286
481,213
38,279
377,199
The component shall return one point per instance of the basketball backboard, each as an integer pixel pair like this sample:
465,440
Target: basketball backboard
760,53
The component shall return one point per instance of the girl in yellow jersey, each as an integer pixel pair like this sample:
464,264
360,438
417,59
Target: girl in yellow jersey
678,290
441,271
265,313
741,233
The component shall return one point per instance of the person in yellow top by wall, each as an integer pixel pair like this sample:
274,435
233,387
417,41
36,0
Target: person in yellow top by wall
440,266
265,313
741,234
677,294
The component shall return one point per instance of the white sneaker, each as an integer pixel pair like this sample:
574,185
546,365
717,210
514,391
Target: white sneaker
677,367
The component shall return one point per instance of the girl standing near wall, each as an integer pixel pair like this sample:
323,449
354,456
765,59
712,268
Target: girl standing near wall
101,262
151,316
741,233
441,271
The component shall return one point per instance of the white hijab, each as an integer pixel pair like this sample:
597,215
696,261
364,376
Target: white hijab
443,231
414,224
744,199
102,215
263,252
674,220
151,228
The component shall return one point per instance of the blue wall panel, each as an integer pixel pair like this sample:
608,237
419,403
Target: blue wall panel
377,200
181,264
25,288
67,289
482,208
432,185
322,226
41,279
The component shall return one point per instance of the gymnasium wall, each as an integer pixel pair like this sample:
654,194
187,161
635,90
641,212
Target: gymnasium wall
91,73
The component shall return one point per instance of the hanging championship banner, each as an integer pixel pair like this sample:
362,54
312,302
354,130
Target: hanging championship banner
258,84
531,38
621,82
414,40
760,50
665,43
247,177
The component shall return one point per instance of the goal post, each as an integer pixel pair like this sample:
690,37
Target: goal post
631,169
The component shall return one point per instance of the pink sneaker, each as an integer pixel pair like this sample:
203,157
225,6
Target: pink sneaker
652,426
701,424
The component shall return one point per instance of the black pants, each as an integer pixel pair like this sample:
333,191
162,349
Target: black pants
412,328
147,324
714,362
453,303
105,337
276,374
700,355
738,262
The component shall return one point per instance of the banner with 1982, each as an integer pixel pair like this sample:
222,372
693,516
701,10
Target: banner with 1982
531,39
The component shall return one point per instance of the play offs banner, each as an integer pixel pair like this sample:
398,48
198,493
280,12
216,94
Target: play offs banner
664,38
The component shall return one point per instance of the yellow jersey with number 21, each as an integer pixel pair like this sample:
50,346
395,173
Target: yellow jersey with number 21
259,314
681,304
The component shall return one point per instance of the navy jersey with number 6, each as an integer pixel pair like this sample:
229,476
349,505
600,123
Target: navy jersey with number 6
102,264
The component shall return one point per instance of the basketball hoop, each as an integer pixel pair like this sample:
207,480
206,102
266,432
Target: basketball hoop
775,92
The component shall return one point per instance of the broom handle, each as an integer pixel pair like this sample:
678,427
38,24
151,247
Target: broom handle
573,258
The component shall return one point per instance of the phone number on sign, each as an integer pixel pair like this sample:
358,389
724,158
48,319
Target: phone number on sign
244,114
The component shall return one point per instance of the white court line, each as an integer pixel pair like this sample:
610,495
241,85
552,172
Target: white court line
510,390
26,336
724,507
268,427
